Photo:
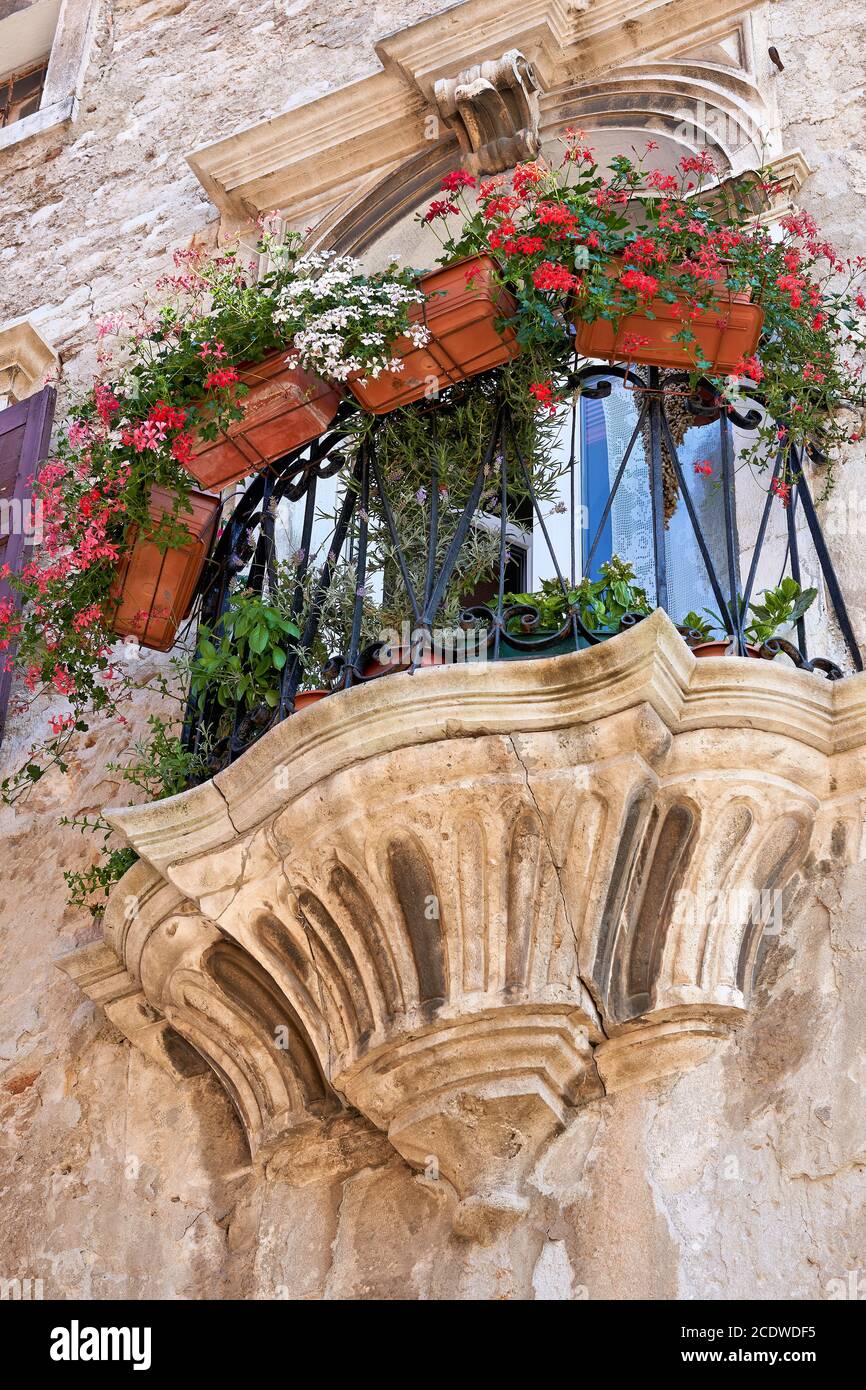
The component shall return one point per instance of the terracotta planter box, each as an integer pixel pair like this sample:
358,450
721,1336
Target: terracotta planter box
462,317
721,649
285,408
153,591
729,330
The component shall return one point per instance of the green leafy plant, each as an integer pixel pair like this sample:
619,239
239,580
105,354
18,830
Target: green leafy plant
701,626
600,603
781,607
239,662
159,764
90,887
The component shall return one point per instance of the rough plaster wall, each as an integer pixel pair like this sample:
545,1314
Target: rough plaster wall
822,102
742,1179
89,215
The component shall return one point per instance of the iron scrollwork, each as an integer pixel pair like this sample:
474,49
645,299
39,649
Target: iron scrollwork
246,548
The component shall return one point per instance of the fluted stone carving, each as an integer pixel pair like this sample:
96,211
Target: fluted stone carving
465,901
493,110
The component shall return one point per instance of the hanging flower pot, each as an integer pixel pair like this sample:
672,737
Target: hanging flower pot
154,588
724,334
466,303
285,408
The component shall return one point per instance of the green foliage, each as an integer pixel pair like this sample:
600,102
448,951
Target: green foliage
159,764
600,603
90,887
695,623
782,606
417,453
241,660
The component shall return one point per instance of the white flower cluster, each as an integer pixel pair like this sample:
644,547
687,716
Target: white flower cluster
342,319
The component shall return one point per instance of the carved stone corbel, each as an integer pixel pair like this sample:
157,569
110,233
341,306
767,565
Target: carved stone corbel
466,904
493,110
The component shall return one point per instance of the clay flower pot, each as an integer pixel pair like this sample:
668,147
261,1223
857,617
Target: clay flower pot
285,408
372,666
309,697
725,332
153,590
720,648
461,315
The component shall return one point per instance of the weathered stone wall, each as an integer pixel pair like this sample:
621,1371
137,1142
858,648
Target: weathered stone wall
743,1178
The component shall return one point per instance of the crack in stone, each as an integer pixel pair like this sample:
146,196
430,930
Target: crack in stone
228,808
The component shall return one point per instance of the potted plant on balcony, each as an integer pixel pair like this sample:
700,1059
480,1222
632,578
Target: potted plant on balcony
601,604
650,266
205,373
239,661
782,607
391,337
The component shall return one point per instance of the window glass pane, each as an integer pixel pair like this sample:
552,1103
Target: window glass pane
21,93
606,428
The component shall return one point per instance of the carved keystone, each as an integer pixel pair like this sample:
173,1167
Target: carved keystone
493,110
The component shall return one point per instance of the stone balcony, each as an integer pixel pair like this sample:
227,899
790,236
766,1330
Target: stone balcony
464,902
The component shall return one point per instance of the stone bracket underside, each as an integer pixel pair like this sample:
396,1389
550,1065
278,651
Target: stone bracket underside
467,901
473,70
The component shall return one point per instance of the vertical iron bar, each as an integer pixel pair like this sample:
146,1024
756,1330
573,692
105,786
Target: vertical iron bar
265,543
657,490
434,515
762,528
620,474
707,558
572,491
544,531
466,520
796,574
360,567
828,570
503,550
306,542
392,532
732,548
292,669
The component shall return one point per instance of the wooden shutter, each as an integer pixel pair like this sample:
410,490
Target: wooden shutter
25,431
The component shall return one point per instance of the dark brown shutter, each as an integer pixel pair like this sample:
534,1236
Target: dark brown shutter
25,431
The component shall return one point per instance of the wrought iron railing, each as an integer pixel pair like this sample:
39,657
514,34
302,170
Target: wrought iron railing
247,546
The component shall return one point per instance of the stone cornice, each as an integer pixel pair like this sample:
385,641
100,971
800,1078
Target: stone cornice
649,665
25,359
304,159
